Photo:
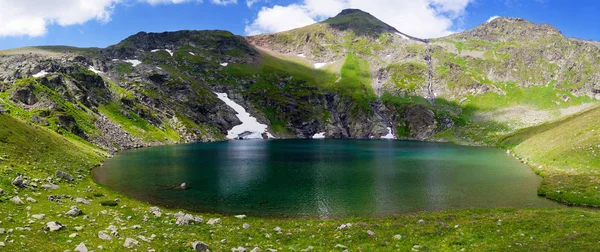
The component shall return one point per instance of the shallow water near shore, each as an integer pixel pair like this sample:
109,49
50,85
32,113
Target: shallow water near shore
323,178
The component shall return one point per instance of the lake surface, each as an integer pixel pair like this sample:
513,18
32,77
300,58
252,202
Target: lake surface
323,178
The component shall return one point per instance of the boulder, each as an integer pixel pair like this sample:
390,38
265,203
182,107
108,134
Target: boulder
24,94
38,216
82,201
64,175
50,186
54,226
18,181
102,235
74,212
214,221
17,200
156,211
30,199
130,243
200,247
81,248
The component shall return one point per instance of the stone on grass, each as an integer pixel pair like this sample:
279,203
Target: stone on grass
240,216
238,249
104,236
200,247
397,237
214,221
1,191
73,235
257,249
370,233
81,248
82,201
18,181
50,186
156,211
30,199
130,243
74,212
54,226
38,216
277,229
246,226
64,175
16,200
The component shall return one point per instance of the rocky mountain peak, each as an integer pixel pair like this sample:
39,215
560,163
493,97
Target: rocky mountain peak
360,22
509,29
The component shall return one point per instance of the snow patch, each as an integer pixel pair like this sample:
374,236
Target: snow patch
302,55
224,64
166,50
402,35
319,65
134,62
319,136
250,127
492,18
192,53
91,68
390,135
40,74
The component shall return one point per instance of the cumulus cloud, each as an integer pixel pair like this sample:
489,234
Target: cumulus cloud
32,17
492,18
421,18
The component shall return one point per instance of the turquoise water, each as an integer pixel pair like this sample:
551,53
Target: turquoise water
323,178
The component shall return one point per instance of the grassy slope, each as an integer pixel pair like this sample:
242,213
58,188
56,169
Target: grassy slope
557,229
566,153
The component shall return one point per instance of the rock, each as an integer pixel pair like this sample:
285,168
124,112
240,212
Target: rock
30,199
240,216
50,186
184,220
18,181
73,235
238,249
64,175
54,226
2,230
277,229
421,221
340,246
82,201
2,244
200,247
370,233
214,221
257,249
183,186
1,191
156,211
397,237
38,216
17,200
81,248
39,120
136,227
74,212
198,219
104,236
246,226
130,243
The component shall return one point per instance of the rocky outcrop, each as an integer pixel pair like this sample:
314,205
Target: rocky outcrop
113,137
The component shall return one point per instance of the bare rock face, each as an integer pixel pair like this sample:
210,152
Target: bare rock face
24,95
421,122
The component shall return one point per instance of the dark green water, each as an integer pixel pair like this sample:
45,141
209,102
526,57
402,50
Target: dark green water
323,178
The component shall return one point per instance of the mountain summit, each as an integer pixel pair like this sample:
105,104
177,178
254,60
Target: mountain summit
360,22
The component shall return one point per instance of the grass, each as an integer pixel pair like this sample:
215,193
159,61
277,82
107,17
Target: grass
137,126
567,154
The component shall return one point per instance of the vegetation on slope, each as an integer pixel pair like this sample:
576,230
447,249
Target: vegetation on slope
567,154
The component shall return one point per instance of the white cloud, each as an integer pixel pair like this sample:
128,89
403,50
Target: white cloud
224,2
249,3
420,18
32,17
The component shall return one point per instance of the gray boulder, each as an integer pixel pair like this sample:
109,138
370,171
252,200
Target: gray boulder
64,175
200,247
81,248
74,212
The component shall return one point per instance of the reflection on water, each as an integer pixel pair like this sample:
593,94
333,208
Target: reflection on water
325,178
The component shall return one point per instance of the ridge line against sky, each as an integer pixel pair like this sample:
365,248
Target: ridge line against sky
99,23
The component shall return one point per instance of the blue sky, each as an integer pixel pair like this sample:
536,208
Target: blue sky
110,21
